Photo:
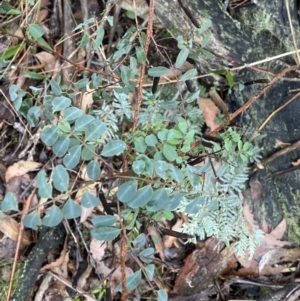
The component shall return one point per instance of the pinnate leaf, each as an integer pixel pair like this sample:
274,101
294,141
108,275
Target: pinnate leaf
71,209
32,221
149,269
162,295
189,74
151,140
104,220
141,197
95,130
105,233
132,281
60,147
126,191
113,147
44,187
93,170
89,201
182,56
72,158
71,114
60,102
174,201
60,178
158,71
83,121
55,87
53,217
169,152
147,255
9,202
49,134
36,30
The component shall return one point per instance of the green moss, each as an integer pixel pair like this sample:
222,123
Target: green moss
293,225
5,269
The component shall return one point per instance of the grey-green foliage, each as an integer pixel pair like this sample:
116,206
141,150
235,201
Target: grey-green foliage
161,150
213,203
207,193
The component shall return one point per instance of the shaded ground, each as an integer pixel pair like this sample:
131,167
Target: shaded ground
77,264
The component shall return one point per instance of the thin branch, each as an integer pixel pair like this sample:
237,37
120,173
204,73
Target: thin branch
277,110
143,67
252,100
287,4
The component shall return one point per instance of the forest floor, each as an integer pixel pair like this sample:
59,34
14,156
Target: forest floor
62,65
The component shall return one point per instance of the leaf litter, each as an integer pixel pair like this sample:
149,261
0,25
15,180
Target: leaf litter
17,174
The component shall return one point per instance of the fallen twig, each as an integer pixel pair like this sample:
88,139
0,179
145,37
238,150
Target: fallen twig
252,100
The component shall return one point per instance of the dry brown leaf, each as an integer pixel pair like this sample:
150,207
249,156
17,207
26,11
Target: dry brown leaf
40,207
85,213
157,240
281,144
20,168
115,276
278,232
43,15
47,60
49,63
256,189
175,73
87,99
218,101
141,9
84,277
269,270
58,262
209,112
268,241
169,240
17,32
45,3
10,228
39,295
90,189
14,184
8,248
278,255
97,249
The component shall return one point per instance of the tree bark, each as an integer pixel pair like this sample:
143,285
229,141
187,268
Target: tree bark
261,29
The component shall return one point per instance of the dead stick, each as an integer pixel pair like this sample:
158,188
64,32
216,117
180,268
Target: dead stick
282,152
138,102
252,99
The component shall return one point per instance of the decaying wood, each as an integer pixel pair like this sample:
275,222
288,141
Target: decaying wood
202,267
50,238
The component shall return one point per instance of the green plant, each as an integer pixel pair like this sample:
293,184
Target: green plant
161,153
